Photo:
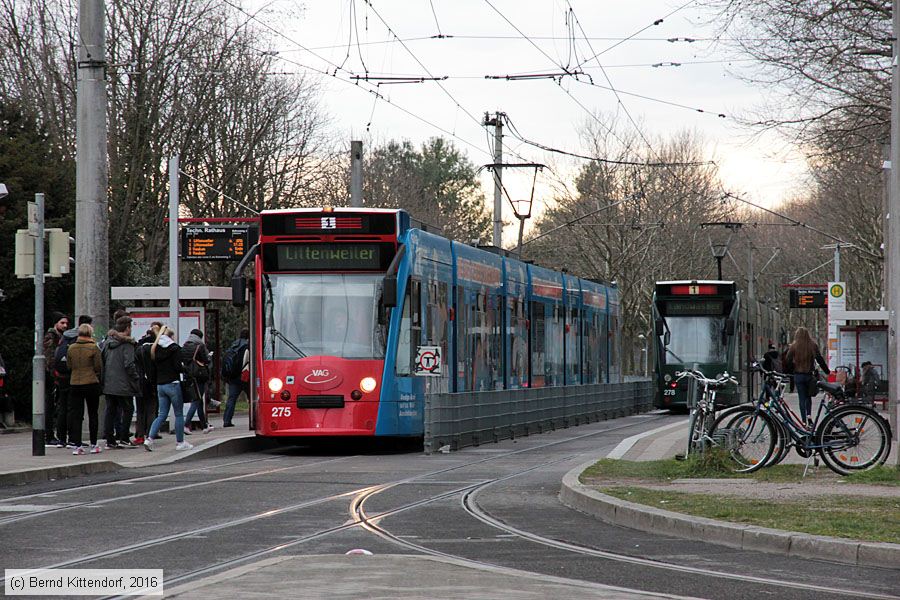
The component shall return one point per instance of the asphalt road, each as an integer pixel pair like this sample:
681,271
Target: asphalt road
495,504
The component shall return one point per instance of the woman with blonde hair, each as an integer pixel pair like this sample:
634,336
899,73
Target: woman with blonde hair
165,354
802,356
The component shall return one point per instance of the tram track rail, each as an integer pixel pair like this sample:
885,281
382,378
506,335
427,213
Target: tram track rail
60,509
364,490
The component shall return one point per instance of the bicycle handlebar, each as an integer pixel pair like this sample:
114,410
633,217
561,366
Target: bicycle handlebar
703,379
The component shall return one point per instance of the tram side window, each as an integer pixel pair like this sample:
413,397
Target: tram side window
518,344
410,329
573,341
539,366
437,318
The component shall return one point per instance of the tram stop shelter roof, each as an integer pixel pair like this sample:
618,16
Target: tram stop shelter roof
161,292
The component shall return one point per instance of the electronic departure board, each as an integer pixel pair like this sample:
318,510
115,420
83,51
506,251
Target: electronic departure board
809,298
216,243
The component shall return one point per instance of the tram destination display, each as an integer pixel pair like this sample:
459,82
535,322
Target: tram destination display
374,256
809,298
695,306
216,243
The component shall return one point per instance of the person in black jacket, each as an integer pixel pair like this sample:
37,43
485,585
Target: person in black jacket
166,356
195,353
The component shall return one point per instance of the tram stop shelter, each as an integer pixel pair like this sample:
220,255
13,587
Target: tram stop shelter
864,338
151,303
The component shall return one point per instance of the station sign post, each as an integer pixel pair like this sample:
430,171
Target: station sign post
837,301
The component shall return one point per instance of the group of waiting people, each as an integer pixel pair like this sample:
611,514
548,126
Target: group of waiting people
155,373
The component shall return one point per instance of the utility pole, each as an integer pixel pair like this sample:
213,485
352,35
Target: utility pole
91,175
38,366
174,308
750,294
892,242
356,174
497,122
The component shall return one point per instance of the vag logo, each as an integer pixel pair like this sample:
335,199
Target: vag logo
322,376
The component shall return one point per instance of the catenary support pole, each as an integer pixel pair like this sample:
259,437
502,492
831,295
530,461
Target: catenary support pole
356,174
91,174
173,245
38,366
497,122
892,255
837,262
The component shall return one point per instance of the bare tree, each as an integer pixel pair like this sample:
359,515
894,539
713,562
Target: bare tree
826,63
190,78
654,234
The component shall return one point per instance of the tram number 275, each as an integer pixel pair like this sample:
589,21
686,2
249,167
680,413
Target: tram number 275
281,411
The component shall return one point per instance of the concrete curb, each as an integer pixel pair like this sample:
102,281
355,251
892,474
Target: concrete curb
210,449
57,472
747,537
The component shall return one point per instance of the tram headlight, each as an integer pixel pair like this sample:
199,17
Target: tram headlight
275,385
368,384
667,377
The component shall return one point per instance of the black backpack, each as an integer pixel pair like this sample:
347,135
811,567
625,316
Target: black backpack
233,359
60,360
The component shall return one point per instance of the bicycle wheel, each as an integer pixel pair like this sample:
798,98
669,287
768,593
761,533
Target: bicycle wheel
695,432
782,445
751,438
853,438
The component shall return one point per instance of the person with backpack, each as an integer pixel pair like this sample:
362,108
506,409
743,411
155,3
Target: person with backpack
166,355
121,383
195,358
235,361
147,402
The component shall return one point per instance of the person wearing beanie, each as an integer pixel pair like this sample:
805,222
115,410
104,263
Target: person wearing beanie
59,323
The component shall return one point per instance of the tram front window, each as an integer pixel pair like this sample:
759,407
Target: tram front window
322,315
695,340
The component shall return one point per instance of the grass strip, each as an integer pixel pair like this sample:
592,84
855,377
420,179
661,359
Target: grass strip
874,519
719,467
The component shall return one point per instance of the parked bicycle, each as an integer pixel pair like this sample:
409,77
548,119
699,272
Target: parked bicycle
848,437
703,409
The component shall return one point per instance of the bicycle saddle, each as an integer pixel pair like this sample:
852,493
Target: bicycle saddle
835,389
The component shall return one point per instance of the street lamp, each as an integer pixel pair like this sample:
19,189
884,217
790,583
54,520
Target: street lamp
719,251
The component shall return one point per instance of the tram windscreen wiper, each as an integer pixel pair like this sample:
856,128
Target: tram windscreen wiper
270,307
678,358
277,334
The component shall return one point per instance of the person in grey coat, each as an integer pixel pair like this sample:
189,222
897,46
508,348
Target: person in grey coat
121,383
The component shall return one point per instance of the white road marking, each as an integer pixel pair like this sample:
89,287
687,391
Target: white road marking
626,444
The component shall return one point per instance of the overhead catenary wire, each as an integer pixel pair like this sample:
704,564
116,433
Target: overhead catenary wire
220,192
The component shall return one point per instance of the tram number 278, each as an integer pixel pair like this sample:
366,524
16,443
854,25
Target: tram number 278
665,393
281,411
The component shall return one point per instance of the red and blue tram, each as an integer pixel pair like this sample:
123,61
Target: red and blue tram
356,315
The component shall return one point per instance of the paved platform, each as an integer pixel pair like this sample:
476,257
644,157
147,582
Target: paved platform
19,466
668,442
391,576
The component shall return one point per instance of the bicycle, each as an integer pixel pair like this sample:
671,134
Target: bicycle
703,409
847,437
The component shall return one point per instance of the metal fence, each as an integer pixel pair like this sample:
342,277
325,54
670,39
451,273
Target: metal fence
463,419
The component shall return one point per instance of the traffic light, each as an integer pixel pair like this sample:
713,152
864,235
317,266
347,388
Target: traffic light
24,254
59,261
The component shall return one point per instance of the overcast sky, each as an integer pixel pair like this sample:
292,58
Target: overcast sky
764,167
